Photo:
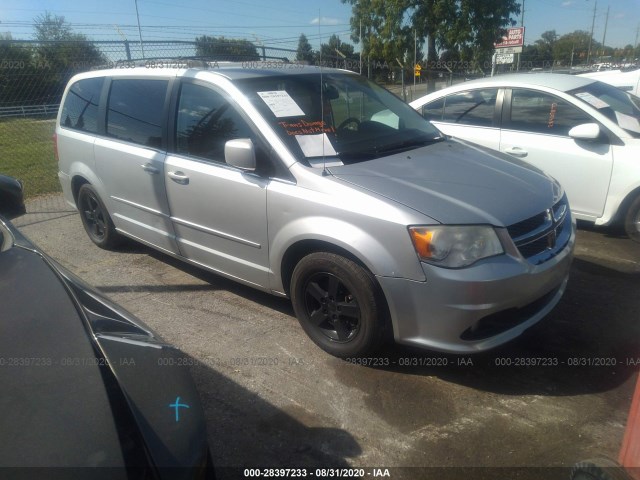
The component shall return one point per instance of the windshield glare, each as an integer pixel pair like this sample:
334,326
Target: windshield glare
615,104
350,119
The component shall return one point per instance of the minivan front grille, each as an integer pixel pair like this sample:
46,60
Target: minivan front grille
542,236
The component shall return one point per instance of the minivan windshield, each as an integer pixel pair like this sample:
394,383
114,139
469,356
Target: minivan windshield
619,106
337,116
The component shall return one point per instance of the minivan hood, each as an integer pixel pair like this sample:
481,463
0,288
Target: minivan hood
456,183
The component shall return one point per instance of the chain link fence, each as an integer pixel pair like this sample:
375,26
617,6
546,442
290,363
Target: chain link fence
33,76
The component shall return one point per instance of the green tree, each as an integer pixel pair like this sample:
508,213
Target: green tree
572,48
386,29
331,57
226,49
544,48
470,27
53,28
60,54
17,72
61,49
305,52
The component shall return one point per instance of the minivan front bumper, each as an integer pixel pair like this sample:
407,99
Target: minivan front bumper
476,308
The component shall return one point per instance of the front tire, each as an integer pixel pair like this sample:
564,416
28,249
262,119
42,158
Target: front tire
96,220
632,220
338,304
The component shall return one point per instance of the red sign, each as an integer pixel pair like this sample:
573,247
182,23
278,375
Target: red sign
514,38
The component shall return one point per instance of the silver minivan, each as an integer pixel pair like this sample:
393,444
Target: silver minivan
318,185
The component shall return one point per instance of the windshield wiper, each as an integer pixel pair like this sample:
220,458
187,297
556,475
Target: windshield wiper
407,144
358,154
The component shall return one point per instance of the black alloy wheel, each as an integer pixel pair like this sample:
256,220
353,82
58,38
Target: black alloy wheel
95,219
331,307
338,304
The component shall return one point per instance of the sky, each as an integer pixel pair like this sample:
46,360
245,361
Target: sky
280,23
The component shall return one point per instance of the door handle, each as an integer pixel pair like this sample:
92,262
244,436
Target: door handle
179,177
516,152
147,167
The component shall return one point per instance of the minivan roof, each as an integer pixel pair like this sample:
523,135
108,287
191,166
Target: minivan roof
230,70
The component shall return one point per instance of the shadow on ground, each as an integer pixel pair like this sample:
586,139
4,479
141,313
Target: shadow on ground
590,343
245,431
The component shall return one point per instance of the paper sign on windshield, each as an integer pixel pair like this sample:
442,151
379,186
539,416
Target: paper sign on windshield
281,104
592,100
628,122
316,145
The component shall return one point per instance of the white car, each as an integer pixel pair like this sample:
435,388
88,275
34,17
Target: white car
627,81
583,132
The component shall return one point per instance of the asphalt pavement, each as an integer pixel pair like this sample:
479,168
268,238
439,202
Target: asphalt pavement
559,394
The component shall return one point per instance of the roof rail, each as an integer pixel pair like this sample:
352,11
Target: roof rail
175,62
192,62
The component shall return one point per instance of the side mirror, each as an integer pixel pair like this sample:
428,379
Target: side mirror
11,197
240,153
586,131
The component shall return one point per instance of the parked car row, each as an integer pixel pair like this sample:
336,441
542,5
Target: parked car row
627,80
318,186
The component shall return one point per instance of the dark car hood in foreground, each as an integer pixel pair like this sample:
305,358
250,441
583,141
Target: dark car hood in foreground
52,404
84,383
454,183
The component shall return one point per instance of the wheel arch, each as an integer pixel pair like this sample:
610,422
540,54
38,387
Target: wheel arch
76,183
81,173
382,248
300,249
624,205
303,248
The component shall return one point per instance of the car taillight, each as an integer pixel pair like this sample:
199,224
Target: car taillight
55,146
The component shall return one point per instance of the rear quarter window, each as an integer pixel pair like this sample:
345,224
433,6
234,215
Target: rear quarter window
80,109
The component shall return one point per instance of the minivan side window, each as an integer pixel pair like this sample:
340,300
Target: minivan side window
80,109
135,110
539,112
205,121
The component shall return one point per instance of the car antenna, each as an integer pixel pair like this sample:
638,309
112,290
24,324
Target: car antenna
322,135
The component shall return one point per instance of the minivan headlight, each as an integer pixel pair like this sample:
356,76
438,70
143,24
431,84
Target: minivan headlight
455,246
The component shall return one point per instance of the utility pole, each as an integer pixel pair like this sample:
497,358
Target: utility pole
593,23
635,45
126,42
361,46
522,25
415,57
572,51
604,35
139,29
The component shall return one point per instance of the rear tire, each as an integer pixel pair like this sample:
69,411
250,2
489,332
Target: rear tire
632,220
96,220
338,304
